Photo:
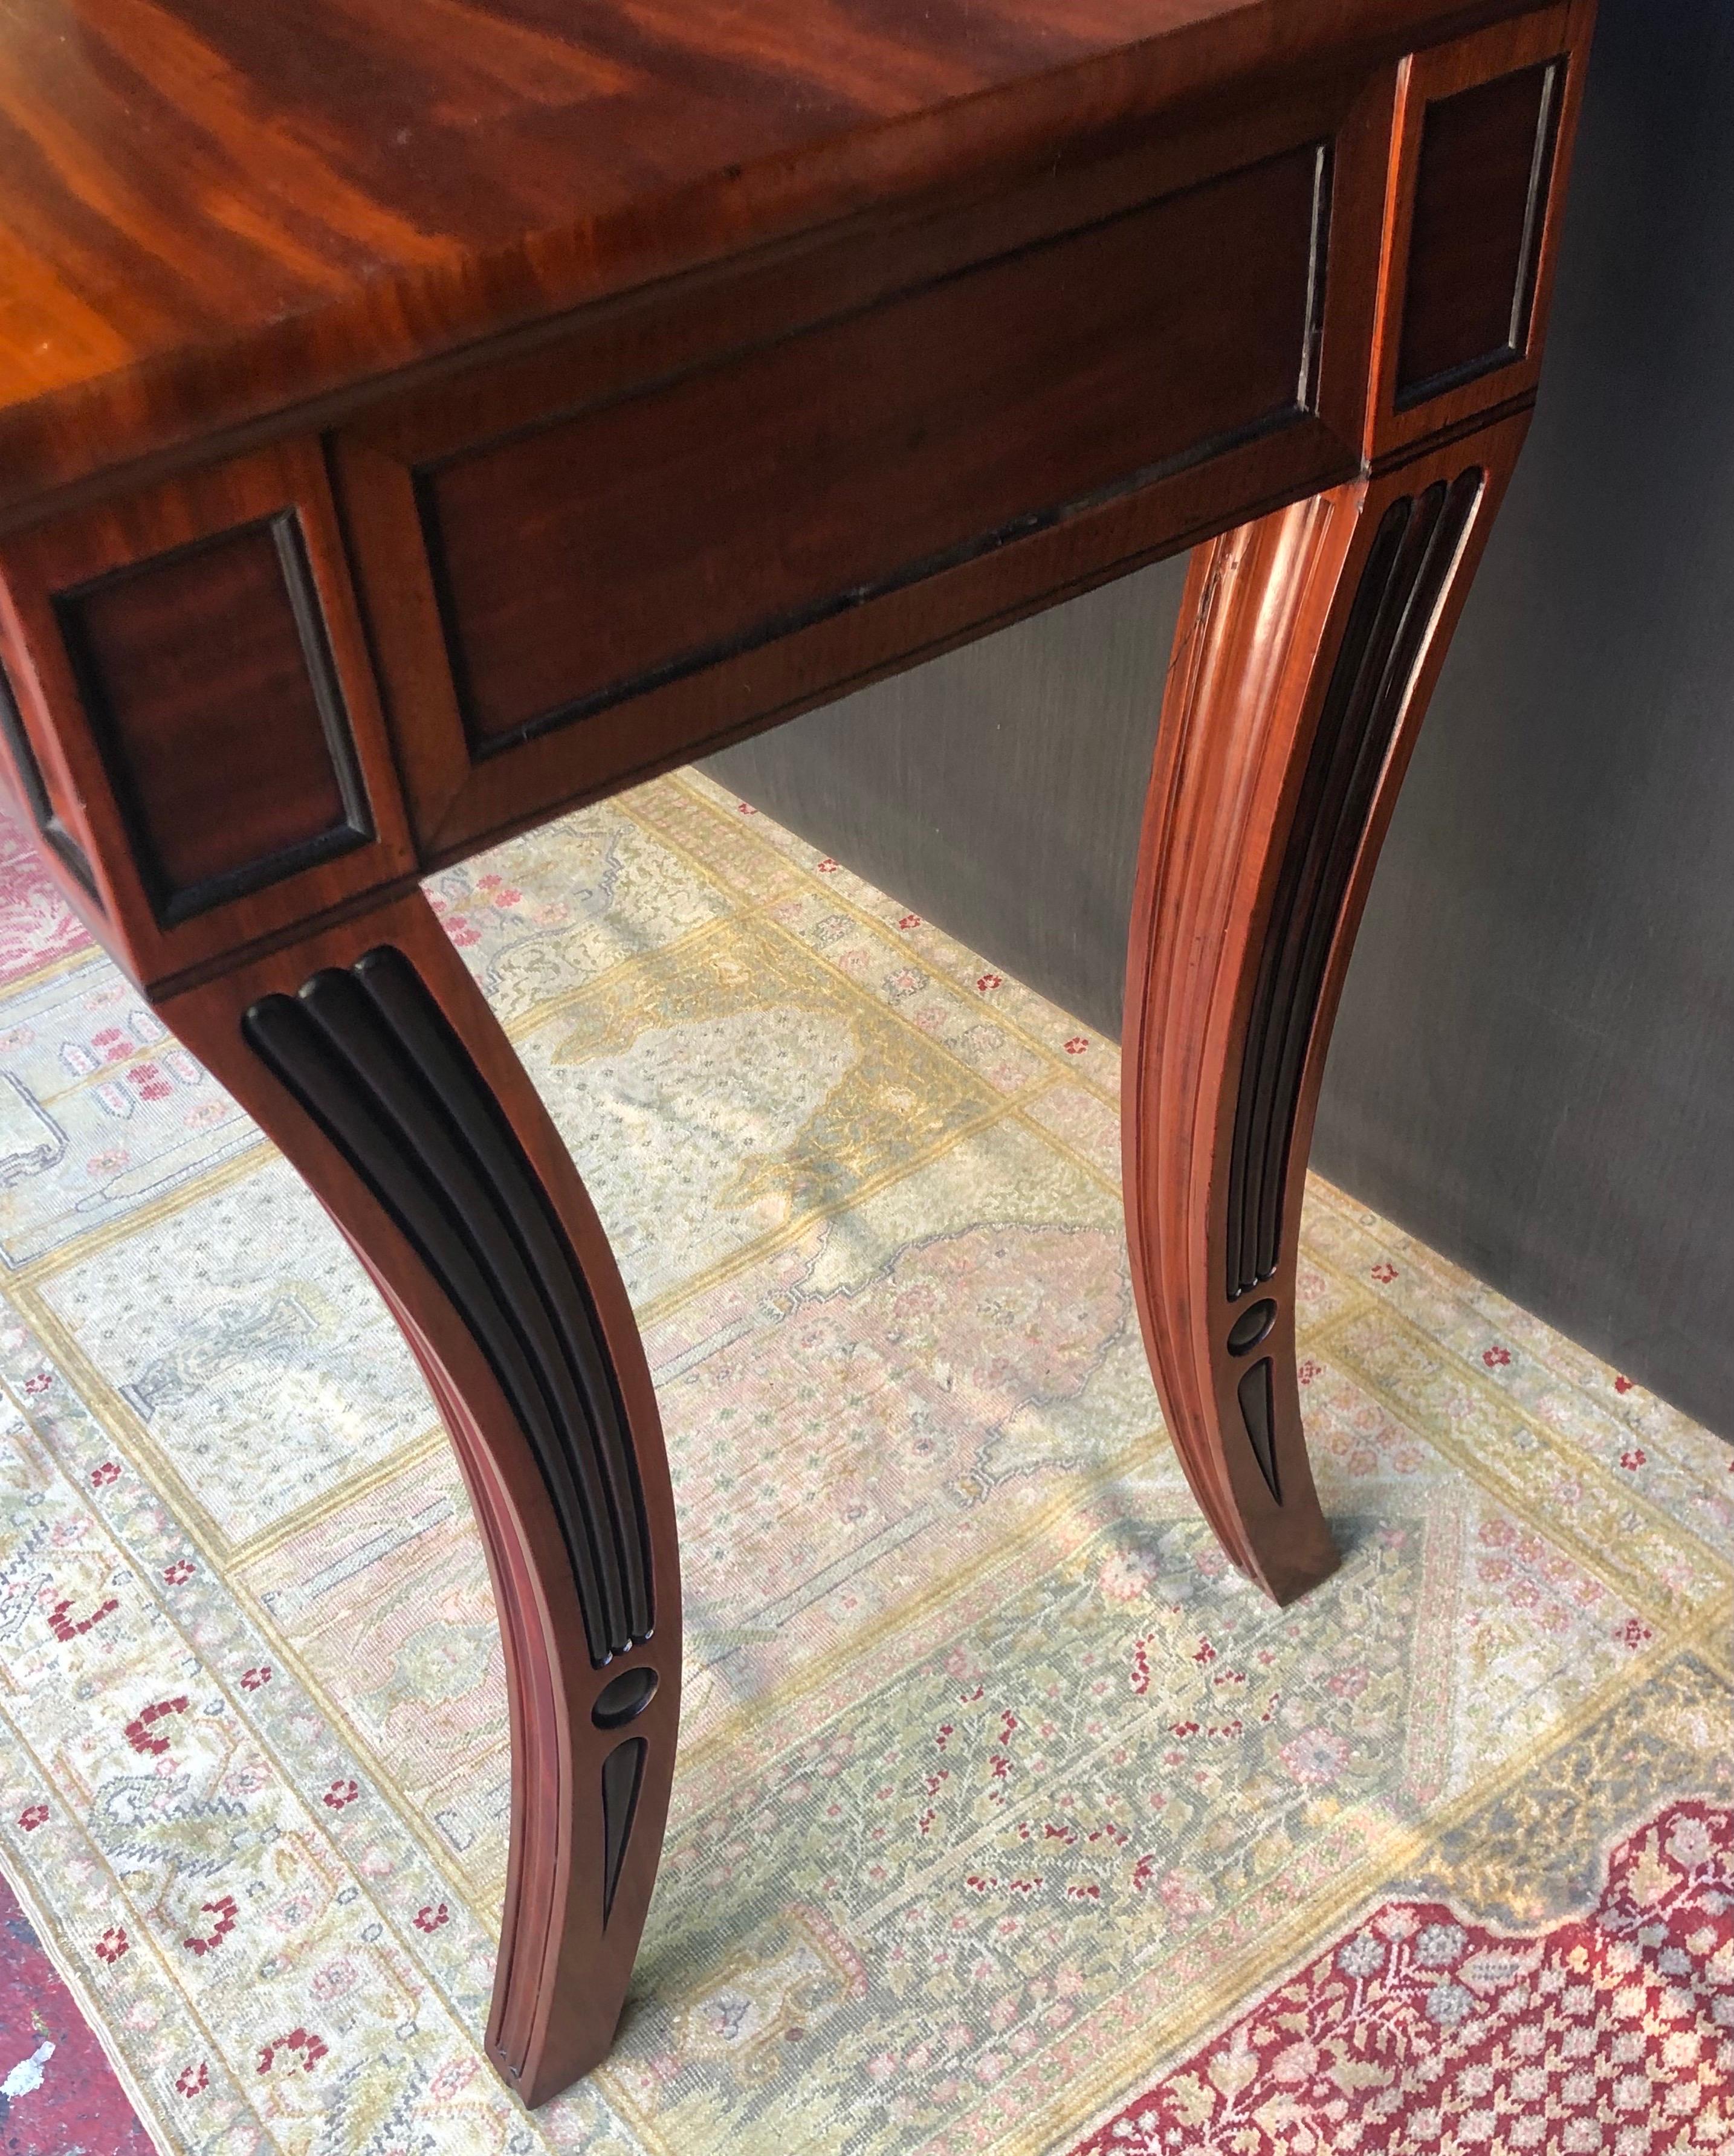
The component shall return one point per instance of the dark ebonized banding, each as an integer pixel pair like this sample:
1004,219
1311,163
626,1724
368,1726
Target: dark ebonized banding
373,1059
1394,605
622,1772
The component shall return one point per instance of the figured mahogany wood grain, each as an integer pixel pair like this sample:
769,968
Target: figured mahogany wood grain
1480,197
635,360
207,677
583,562
1483,145
214,212
195,691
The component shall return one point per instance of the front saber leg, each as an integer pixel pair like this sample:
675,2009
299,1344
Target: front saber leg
1308,645
371,1059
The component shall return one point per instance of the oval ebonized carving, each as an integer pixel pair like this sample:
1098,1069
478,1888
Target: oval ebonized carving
369,1054
623,1698
1250,1327
1401,585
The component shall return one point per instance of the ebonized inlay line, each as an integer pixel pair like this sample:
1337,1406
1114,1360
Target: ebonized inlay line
372,1058
1401,586
622,1772
1257,1411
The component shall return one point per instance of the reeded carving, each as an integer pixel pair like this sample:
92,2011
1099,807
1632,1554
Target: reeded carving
369,1054
1401,586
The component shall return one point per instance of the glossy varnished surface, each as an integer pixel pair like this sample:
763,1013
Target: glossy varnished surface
208,816
969,414
1481,190
466,407
1307,645
193,690
215,212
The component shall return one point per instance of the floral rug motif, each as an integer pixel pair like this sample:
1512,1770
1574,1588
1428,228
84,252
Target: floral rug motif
1614,2030
1009,1821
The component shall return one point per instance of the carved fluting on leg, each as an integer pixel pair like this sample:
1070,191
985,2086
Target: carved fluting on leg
368,1054
1397,594
373,1059
1307,646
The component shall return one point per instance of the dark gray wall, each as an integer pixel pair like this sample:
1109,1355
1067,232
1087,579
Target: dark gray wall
1534,1066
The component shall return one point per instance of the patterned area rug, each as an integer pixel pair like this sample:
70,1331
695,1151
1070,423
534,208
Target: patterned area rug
1008,1819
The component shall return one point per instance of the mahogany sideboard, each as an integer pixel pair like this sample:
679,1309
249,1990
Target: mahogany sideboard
421,417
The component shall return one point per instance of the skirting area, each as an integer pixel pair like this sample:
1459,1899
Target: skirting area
1008,1819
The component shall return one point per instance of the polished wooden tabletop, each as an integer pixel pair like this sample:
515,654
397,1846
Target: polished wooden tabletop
215,212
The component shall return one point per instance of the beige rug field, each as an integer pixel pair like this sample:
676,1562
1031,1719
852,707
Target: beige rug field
1009,1819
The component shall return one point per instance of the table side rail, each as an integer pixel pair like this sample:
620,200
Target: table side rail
250,695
